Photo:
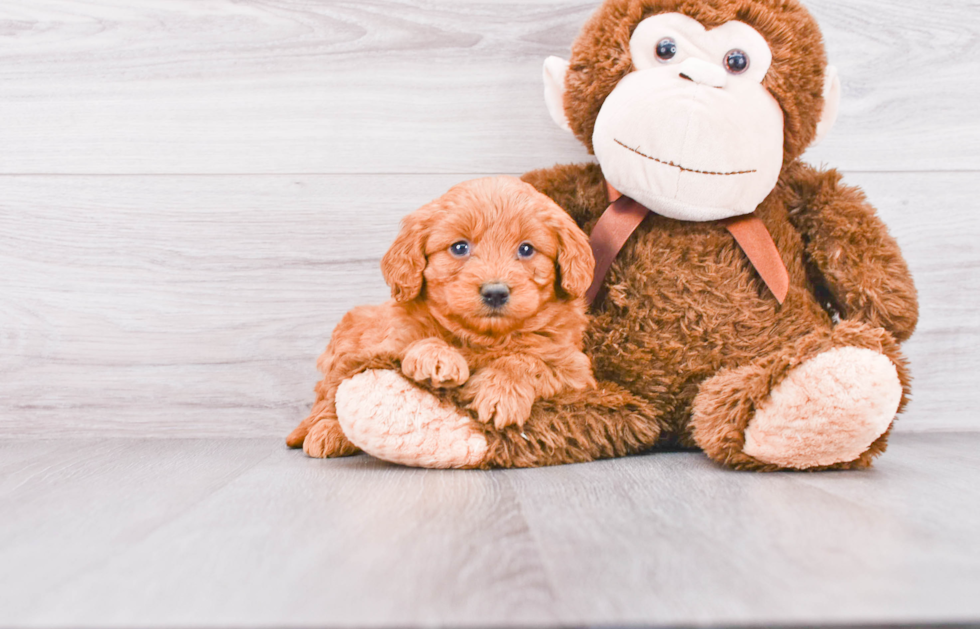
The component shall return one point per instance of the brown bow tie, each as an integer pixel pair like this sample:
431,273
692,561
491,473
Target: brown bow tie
624,215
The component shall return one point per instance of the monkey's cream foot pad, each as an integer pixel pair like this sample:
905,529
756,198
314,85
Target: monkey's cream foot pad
828,410
389,418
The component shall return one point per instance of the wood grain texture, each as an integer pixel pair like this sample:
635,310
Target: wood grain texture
412,86
677,537
197,306
203,300
288,541
242,532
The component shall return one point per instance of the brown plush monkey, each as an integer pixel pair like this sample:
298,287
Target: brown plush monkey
771,348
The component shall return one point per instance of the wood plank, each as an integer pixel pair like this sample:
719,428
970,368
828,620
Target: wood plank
289,541
242,532
196,306
132,302
74,504
407,86
891,103
680,540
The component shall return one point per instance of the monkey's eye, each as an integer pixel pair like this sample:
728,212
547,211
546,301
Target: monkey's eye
460,249
666,49
736,61
525,251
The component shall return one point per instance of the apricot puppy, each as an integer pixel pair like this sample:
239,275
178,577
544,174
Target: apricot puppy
487,286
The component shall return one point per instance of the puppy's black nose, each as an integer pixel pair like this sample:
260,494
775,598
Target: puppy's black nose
495,294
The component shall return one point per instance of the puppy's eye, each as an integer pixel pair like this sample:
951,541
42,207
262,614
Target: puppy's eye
526,250
460,249
666,49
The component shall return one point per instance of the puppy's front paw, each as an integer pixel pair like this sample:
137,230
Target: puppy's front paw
499,400
326,440
435,362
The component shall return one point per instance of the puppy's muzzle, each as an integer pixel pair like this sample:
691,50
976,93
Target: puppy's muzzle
495,294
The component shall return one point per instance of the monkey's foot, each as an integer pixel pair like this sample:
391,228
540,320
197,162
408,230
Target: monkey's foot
828,410
389,418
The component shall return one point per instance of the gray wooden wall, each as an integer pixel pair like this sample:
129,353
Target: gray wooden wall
192,193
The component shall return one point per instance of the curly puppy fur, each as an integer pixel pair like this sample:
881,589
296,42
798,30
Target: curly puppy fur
688,340
440,330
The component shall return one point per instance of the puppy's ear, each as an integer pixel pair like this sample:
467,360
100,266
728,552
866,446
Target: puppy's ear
575,261
403,264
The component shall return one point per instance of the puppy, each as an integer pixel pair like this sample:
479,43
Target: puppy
487,285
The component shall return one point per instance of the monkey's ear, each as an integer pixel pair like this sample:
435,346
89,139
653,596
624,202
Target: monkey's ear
555,69
403,264
831,104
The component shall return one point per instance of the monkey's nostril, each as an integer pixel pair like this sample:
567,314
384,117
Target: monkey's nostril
495,294
684,76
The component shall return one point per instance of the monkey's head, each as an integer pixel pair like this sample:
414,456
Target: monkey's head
692,107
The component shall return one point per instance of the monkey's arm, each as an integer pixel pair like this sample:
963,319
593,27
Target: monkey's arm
850,254
579,189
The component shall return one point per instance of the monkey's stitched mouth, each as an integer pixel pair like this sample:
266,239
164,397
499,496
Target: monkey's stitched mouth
690,170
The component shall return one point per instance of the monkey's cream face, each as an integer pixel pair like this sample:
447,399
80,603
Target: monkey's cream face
692,133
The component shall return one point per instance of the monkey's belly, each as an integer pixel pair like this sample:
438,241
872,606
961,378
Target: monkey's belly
683,301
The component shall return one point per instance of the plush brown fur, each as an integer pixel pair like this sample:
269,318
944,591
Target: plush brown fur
441,333
688,340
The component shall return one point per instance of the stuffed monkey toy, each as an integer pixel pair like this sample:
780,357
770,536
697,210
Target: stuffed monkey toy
746,303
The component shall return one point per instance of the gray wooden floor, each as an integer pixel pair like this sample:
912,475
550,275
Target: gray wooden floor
242,532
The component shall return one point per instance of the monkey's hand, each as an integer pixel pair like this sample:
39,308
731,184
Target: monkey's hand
434,362
498,397
851,255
